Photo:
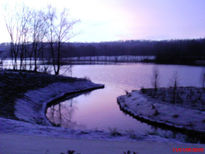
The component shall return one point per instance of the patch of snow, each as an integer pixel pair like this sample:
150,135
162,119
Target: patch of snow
32,106
9,126
141,106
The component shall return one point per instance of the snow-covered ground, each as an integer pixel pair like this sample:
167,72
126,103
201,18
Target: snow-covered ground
17,137
32,106
22,137
26,144
141,106
188,97
27,136
9,126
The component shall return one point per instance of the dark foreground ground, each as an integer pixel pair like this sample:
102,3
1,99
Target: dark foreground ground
14,84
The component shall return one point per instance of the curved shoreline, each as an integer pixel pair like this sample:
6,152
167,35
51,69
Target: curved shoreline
32,106
159,124
60,97
138,106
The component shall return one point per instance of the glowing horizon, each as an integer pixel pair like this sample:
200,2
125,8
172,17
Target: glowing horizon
112,20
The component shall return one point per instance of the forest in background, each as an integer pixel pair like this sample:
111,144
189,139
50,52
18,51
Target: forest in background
167,52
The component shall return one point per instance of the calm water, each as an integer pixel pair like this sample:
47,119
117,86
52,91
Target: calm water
99,109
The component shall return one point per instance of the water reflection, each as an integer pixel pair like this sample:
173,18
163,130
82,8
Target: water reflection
99,109
77,113
61,114
94,110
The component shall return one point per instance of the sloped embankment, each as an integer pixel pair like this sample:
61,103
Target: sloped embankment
142,107
32,106
25,94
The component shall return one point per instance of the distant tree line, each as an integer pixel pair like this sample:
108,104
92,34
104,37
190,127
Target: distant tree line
168,52
173,51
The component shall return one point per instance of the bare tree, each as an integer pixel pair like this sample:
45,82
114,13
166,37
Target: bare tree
155,81
12,28
63,34
38,33
24,18
203,78
38,27
18,29
51,16
175,86
59,31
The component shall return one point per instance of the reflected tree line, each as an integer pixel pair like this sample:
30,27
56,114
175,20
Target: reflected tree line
61,114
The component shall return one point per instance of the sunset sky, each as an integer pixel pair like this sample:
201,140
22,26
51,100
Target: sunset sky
112,20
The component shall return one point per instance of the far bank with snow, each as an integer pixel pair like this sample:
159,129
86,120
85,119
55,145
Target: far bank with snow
153,111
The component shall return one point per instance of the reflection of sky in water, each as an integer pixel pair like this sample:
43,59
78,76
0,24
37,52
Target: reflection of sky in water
99,108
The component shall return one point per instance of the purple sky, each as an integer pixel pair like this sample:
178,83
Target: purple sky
110,20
